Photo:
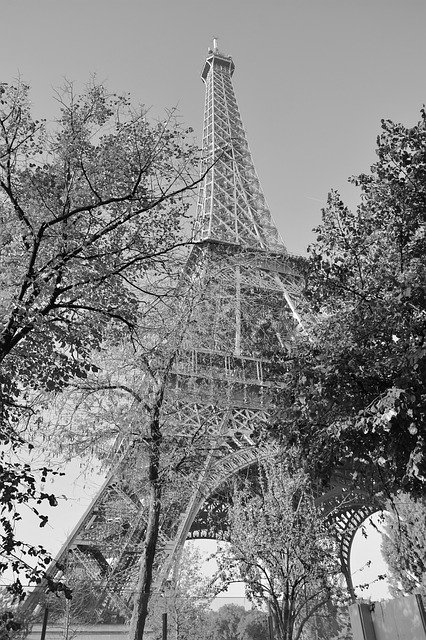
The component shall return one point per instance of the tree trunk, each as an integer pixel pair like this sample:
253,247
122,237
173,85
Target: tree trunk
142,595
143,589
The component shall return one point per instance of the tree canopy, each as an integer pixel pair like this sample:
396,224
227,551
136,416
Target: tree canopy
234,622
403,544
355,392
90,208
282,548
85,209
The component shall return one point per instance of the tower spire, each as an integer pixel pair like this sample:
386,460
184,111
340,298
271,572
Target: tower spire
231,205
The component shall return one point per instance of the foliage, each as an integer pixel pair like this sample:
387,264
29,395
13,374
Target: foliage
195,620
330,623
75,609
224,624
8,623
356,381
186,604
404,544
88,210
234,622
253,625
85,210
127,410
21,560
281,547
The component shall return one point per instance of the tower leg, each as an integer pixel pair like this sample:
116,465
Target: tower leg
346,570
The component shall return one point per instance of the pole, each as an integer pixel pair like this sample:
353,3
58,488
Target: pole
44,626
164,626
67,618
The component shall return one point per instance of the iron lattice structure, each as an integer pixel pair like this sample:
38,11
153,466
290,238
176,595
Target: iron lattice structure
222,379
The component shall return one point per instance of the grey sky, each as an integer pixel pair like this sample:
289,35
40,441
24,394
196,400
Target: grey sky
313,77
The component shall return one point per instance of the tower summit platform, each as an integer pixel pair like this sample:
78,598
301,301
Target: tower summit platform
215,57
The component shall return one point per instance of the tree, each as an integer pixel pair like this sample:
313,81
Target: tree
253,626
234,622
73,611
86,209
8,624
129,404
225,622
81,224
355,392
282,548
186,602
404,544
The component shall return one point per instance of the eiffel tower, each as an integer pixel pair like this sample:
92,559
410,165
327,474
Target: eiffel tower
222,381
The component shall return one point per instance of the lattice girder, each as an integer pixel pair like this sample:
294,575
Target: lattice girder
246,301
231,205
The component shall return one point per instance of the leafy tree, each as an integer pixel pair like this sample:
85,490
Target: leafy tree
128,404
281,547
404,544
75,610
85,210
225,622
8,624
88,209
253,625
356,379
186,602
234,622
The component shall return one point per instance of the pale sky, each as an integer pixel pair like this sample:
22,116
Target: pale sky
313,77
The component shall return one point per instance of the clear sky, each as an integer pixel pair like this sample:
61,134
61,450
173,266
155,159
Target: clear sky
313,77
